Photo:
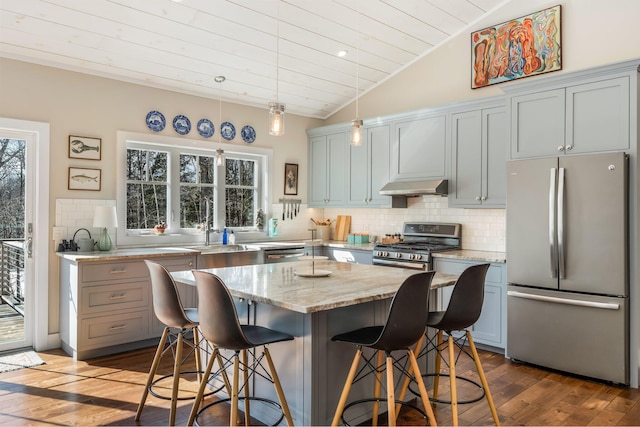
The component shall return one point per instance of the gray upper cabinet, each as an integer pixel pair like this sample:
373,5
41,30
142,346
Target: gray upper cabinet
368,169
327,169
418,149
479,155
587,114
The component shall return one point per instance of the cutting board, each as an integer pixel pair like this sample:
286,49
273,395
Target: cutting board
343,224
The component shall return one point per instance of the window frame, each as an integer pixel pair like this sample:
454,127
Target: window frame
174,145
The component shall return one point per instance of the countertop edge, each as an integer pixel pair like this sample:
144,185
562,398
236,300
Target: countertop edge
472,255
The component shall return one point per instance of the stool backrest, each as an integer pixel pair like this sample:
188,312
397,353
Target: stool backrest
217,313
466,300
407,313
166,300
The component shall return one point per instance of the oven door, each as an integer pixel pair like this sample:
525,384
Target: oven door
416,265
283,255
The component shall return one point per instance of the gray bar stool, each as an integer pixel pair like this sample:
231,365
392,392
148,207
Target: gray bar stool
220,326
463,310
404,326
169,310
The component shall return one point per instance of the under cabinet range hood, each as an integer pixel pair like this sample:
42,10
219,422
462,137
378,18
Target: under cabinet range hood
438,187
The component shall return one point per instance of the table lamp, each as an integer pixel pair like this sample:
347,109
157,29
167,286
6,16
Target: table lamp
105,216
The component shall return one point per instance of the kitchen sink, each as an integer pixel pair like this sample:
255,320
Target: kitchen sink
214,256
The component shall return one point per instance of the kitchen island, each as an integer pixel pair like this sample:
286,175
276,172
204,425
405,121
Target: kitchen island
312,368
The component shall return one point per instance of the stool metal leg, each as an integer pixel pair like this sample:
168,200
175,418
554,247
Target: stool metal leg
347,387
483,379
422,388
278,387
391,398
452,381
152,372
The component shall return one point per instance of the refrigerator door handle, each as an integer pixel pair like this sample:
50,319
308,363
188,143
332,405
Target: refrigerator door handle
592,304
561,248
553,246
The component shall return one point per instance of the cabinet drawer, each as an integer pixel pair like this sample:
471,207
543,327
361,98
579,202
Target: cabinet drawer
114,271
178,263
108,330
97,299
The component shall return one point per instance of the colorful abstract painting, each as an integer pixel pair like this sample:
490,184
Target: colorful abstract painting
518,48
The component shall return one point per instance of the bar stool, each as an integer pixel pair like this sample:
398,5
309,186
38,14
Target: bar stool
463,310
220,326
169,310
404,326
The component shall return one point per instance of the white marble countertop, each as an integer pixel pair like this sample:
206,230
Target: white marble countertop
279,285
123,254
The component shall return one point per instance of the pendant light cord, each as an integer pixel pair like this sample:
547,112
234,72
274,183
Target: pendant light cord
278,52
357,56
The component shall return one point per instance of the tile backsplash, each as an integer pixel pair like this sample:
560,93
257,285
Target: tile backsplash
74,214
482,229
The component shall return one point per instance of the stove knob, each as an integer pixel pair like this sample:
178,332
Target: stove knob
379,253
398,255
412,256
418,256
386,254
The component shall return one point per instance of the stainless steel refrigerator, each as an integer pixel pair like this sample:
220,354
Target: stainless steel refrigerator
567,264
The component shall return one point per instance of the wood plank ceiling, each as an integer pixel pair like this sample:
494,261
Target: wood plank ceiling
268,49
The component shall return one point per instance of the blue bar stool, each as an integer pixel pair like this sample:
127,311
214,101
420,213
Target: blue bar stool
404,326
220,327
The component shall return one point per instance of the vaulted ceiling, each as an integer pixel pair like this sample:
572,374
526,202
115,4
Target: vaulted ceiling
268,50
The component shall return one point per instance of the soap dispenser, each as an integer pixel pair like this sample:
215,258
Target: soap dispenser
225,237
232,238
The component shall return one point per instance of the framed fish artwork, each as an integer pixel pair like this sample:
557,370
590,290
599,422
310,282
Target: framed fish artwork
83,147
85,179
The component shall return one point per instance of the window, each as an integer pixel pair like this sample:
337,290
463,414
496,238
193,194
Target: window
176,181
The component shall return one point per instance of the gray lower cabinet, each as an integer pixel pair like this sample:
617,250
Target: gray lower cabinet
491,327
368,169
106,306
479,156
418,148
327,169
575,119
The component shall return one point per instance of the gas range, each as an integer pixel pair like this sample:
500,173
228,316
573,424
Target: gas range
420,240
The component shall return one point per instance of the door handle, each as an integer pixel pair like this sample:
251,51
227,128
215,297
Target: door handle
30,247
561,257
566,301
553,247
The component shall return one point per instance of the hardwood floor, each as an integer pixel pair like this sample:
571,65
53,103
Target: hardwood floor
105,391
11,324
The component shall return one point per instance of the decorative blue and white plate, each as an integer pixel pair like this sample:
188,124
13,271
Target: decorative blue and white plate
228,131
156,121
205,128
248,134
181,124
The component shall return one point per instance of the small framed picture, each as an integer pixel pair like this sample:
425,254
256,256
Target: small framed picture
85,179
291,178
83,147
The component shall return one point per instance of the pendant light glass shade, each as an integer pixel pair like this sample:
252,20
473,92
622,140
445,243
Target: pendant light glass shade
276,119
219,157
356,136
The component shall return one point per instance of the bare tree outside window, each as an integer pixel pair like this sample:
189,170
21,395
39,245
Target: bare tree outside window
12,182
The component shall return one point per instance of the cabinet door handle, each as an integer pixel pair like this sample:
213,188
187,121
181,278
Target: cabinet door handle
123,270
560,148
478,198
112,297
569,147
118,327
483,198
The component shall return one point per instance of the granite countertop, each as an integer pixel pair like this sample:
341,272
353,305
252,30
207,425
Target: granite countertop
279,285
471,255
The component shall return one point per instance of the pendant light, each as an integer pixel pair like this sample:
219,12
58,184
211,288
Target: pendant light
276,110
356,136
220,151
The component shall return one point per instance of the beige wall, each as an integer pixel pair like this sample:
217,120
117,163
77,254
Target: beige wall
594,32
